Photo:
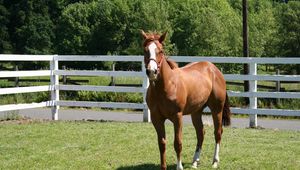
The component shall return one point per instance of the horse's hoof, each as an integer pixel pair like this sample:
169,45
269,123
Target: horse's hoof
215,165
195,165
179,168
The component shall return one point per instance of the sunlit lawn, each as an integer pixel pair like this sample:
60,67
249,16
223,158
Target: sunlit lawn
122,146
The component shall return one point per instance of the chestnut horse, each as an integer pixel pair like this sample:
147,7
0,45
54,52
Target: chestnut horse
174,92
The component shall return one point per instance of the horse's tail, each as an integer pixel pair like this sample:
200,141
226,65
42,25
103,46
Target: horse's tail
226,113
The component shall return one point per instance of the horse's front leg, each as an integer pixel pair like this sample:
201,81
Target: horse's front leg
178,139
159,125
217,118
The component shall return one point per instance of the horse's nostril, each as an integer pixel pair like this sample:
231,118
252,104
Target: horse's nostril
155,71
148,72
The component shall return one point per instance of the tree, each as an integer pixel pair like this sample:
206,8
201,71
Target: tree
5,45
262,29
262,26
111,27
209,28
30,27
36,35
289,29
108,31
151,16
74,29
288,43
122,22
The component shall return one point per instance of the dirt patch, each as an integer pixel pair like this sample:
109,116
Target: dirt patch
23,120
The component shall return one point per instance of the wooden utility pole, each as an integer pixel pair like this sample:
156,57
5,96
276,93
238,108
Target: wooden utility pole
245,46
252,69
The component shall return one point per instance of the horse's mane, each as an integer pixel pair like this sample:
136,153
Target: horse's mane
172,63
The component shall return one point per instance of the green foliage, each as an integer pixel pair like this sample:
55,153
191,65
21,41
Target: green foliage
31,27
5,44
195,27
37,35
153,16
262,28
289,32
24,98
102,27
289,29
206,28
74,29
109,96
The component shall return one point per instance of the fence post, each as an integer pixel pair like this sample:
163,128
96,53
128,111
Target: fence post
17,78
278,86
112,78
54,80
64,77
253,100
146,111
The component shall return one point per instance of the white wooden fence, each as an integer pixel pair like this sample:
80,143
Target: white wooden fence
55,87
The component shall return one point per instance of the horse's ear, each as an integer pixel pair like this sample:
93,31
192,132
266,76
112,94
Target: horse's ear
144,34
162,37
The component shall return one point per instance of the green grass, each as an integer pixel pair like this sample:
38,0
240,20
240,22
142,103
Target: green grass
133,146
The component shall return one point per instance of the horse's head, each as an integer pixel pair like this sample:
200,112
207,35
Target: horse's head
153,53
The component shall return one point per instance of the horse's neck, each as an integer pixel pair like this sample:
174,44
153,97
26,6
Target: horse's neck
166,72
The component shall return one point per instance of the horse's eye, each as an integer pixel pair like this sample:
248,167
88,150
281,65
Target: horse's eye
146,54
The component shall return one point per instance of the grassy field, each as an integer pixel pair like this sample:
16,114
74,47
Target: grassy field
133,146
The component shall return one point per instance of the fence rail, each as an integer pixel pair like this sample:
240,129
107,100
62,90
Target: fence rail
15,90
99,73
100,88
25,73
55,87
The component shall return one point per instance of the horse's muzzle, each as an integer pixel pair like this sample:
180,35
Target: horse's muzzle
152,74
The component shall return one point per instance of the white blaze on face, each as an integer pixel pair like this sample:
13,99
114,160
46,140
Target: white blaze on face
152,48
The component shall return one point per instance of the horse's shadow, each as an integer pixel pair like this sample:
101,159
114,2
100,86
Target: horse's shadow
145,167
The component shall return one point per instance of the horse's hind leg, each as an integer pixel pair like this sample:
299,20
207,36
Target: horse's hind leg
217,119
198,124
